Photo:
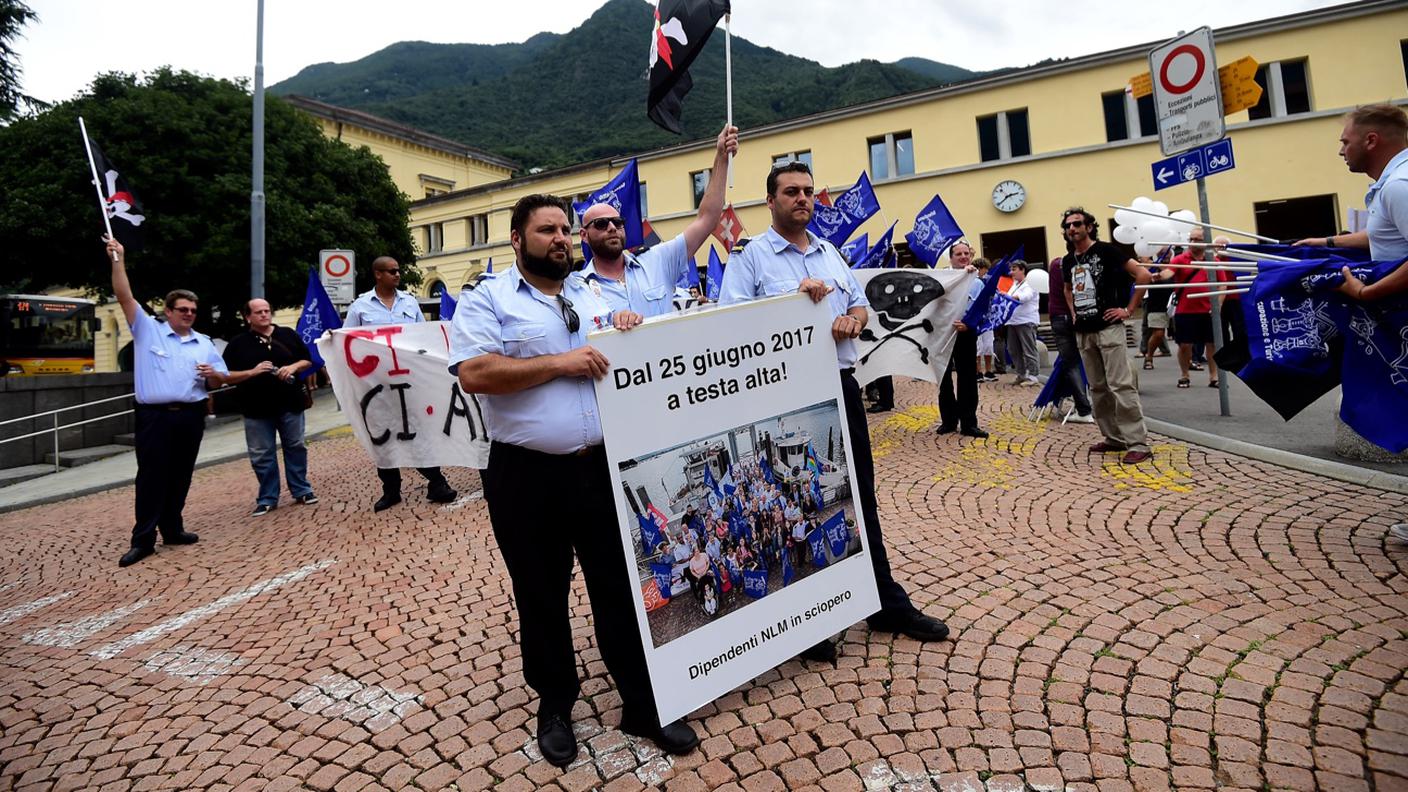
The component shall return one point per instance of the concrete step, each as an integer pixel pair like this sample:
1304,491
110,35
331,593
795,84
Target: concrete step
23,473
129,439
82,456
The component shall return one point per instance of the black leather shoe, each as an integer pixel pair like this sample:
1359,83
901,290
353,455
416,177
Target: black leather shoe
386,501
441,492
824,652
134,555
974,432
185,537
676,738
946,429
556,740
914,624
879,408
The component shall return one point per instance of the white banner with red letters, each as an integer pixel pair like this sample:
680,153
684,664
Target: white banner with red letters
404,406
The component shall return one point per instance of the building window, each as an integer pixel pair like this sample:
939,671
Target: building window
795,156
436,289
435,185
1126,117
1288,218
644,202
434,237
1403,53
477,227
1004,135
891,155
699,181
1285,89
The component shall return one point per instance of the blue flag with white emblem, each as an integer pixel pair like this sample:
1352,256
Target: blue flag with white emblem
934,230
318,316
836,223
977,312
714,275
711,482
650,537
837,535
755,583
787,573
855,249
881,255
817,541
663,574
690,278
623,193
447,306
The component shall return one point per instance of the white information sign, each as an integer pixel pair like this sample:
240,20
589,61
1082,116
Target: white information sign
726,436
337,269
1187,93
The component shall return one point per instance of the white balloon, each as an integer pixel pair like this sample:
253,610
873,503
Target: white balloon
1142,203
1157,232
1126,235
1159,208
1124,217
1039,280
1144,249
1186,215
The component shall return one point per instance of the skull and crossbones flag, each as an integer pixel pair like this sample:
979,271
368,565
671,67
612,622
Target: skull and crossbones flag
682,28
124,211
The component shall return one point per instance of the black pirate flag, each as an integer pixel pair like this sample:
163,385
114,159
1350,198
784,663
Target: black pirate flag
682,28
123,209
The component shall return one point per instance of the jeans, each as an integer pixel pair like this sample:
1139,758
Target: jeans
264,457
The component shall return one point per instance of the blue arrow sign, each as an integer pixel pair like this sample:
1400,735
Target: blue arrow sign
1207,160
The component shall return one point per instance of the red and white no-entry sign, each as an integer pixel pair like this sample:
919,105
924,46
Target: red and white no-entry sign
1187,99
337,269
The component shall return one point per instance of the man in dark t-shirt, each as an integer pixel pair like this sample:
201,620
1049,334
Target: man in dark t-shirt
264,363
1099,288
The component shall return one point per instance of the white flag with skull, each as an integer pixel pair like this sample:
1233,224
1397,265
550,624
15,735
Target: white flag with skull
912,311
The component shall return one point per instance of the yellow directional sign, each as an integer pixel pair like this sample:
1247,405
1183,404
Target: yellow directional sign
1237,80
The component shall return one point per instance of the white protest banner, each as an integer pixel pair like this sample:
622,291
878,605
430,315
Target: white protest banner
912,311
405,407
726,437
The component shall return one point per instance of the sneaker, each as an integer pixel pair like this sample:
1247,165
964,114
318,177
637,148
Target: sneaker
1075,417
1135,457
1029,382
1104,447
307,500
261,510
1399,531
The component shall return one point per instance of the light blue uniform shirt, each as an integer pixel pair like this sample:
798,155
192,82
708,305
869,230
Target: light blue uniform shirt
1387,202
649,289
368,309
164,364
770,265
505,315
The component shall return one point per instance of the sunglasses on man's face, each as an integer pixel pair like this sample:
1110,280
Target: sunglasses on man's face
1073,225
183,310
601,223
389,271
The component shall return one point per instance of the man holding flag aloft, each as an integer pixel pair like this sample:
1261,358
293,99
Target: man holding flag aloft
645,284
786,258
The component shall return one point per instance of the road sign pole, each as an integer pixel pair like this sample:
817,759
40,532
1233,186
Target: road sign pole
1224,396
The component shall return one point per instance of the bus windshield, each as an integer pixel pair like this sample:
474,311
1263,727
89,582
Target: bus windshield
42,335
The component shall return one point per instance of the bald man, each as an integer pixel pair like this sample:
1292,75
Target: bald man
645,284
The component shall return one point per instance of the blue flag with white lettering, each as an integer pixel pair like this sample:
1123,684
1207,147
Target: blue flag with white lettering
856,248
836,223
999,312
623,193
837,534
714,275
977,312
649,535
318,316
934,230
817,541
447,306
881,255
755,583
664,578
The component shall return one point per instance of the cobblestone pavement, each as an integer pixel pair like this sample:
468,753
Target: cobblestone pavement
1202,621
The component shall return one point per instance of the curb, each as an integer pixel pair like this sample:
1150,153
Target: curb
1339,471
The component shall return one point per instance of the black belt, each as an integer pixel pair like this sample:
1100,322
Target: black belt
174,406
510,448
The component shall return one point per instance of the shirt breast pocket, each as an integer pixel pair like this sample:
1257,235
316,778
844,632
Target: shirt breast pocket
655,294
160,359
772,288
525,339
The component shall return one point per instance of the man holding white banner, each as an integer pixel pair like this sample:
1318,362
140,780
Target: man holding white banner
789,258
519,340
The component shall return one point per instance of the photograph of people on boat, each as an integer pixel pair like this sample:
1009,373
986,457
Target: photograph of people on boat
726,519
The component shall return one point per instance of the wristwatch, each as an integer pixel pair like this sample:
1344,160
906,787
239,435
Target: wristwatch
1329,241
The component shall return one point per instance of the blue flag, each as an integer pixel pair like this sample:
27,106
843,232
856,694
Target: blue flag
768,475
318,315
1056,387
882,255
817,541
836,223
838,535
856,248
664,579
447,306
715,275
816,493
978,310
710,482
490,268
690,278
755,583
622,192
649,535
934,230
999,312
787,573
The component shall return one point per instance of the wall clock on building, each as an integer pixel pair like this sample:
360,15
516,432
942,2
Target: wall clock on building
1008,196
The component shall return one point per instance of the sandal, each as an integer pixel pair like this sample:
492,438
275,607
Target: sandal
1212,384
1148,365
1184,383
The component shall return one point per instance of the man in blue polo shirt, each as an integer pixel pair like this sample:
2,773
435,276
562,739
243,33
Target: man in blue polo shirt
789,258
645,284
172,366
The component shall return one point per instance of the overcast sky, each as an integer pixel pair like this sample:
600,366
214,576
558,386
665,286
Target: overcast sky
77,39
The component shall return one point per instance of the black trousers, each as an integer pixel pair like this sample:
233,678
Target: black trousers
391,477
962,410
543,508
168,440
892,595
884,392
1065,334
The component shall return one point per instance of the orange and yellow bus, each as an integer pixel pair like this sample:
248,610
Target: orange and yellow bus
46,335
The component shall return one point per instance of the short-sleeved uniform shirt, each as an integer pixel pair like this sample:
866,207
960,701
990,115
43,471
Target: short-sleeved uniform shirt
649,289
368,309
164,363
265,395
1387,202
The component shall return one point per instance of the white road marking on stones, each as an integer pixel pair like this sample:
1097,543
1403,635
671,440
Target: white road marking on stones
109,651
463,501
71,634
879,776
340,696
193,663
23,610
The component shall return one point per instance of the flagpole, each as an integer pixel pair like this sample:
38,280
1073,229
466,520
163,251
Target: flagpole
728,82
1173,219
97,183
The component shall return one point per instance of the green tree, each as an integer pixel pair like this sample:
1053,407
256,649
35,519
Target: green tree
183,143
13,16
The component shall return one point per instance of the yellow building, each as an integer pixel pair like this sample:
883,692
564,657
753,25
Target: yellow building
1067,132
